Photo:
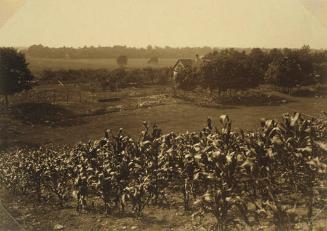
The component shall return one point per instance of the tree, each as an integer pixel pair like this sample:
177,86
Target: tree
153,60
305,58
274,54
284,72
149,72
117,78
164,75
259,62
14,73
122,60
229,69
321,73
187,79
211,77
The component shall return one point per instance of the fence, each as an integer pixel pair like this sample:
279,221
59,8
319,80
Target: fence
53,97
7,221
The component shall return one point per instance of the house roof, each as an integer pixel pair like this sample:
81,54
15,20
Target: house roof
184,62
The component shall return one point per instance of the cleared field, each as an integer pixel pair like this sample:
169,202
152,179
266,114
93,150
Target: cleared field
39,64
80,121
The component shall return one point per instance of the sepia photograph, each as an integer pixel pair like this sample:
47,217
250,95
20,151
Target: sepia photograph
163,115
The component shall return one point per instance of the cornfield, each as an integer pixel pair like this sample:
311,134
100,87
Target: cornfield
239,177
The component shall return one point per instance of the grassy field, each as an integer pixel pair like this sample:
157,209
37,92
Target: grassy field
39,64
35,123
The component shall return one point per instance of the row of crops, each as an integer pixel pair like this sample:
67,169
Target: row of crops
239,177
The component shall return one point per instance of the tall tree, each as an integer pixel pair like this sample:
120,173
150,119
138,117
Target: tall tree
284,72
274,54
259,63
305,58
229,69
15,75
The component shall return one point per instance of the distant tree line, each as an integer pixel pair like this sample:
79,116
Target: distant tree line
108,79
91,52
233,69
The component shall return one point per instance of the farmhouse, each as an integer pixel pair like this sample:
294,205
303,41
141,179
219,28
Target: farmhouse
183,64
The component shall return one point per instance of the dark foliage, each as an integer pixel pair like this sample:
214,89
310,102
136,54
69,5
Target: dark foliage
122,60
285,68
44,114
187,79
321,72
153,60
14,73
108,79
231,69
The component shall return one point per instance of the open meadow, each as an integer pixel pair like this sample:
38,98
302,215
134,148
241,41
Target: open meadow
39,64
80,113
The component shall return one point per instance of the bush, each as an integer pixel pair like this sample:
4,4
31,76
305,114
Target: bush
108,79
187,79
321,73
122,60
153,60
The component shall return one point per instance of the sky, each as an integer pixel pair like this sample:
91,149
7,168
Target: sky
176,23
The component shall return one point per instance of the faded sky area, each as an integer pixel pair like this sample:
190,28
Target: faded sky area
8,8
219,23
318,8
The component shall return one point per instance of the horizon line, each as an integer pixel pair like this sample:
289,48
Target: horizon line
157,47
